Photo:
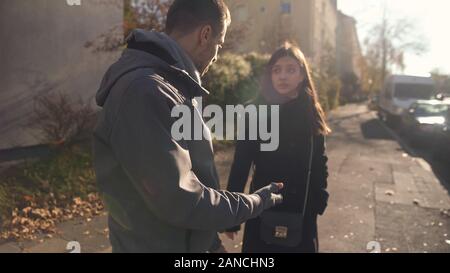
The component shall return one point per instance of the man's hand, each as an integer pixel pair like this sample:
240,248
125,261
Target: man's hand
269,196
231,235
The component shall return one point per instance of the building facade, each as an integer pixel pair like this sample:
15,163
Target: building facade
328,37
50,47
348,46
350,60
312,24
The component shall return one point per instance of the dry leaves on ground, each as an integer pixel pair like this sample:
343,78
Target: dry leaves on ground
30,222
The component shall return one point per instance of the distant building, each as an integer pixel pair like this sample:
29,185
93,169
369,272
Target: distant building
47,47
349,55
312,24
328,37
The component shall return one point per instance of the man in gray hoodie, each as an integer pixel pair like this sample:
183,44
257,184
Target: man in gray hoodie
163,195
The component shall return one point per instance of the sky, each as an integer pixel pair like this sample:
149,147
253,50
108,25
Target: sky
432,21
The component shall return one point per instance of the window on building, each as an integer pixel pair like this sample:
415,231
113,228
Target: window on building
286,7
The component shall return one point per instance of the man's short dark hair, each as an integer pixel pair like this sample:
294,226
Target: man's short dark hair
186,15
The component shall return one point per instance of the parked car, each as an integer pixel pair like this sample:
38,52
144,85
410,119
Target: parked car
424,121
399,93
441,149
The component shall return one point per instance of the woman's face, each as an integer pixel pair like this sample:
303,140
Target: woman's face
287,76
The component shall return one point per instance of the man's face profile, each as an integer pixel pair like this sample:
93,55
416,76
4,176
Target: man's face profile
213,44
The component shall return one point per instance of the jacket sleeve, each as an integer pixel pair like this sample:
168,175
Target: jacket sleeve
240,169
160,169
319,175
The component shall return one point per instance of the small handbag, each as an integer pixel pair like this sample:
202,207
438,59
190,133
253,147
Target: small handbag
286,228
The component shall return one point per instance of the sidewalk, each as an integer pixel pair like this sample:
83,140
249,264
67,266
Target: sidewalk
378,192
92,237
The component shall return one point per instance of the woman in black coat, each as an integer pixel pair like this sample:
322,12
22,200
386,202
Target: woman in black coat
302,126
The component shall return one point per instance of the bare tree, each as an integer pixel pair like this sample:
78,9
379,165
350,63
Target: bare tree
61,120
388,42
146,14
442,81
371,69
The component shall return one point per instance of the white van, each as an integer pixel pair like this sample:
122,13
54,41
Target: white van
400,92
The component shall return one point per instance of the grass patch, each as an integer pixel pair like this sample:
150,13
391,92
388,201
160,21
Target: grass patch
46,189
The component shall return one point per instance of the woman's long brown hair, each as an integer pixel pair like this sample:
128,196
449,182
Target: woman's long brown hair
316,115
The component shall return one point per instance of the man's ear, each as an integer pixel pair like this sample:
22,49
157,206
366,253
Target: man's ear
205,34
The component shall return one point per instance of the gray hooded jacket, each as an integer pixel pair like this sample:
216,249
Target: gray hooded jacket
162,195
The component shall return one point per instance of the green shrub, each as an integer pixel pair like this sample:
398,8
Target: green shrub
234,79
224,76
328,89
249,88
258,62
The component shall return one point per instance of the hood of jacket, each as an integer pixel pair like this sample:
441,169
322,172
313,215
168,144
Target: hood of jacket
150,49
